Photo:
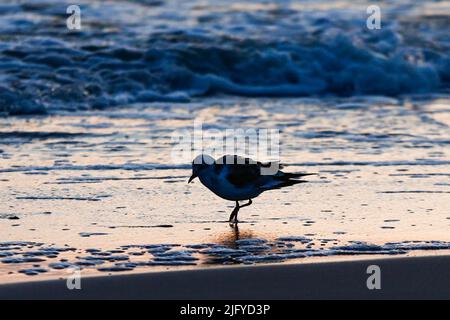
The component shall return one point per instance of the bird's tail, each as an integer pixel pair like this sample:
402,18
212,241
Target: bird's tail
283,179
287,183
288,175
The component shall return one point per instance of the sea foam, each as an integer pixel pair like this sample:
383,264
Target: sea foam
141,52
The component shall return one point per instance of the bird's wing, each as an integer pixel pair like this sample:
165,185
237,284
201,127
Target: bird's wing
239,171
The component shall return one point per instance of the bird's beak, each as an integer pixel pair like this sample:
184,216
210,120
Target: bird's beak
192,178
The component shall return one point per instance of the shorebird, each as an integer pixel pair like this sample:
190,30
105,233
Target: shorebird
236,178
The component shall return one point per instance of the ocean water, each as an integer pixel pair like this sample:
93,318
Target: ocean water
88,120
174,51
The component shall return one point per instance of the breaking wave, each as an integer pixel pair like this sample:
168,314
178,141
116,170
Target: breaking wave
145,51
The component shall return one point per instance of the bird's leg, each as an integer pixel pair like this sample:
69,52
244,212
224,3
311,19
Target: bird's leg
233,216
247,204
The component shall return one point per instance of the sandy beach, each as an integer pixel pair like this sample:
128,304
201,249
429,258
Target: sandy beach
401,278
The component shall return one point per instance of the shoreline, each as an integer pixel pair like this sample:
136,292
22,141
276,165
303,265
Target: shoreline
423,277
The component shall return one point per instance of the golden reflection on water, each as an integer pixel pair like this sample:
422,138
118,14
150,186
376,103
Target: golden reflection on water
228,239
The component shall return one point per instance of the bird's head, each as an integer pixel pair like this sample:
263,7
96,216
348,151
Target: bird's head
200,163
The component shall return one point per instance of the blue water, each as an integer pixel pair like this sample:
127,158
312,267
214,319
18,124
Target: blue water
176,51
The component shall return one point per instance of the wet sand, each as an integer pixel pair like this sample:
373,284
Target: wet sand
100,190
401,278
